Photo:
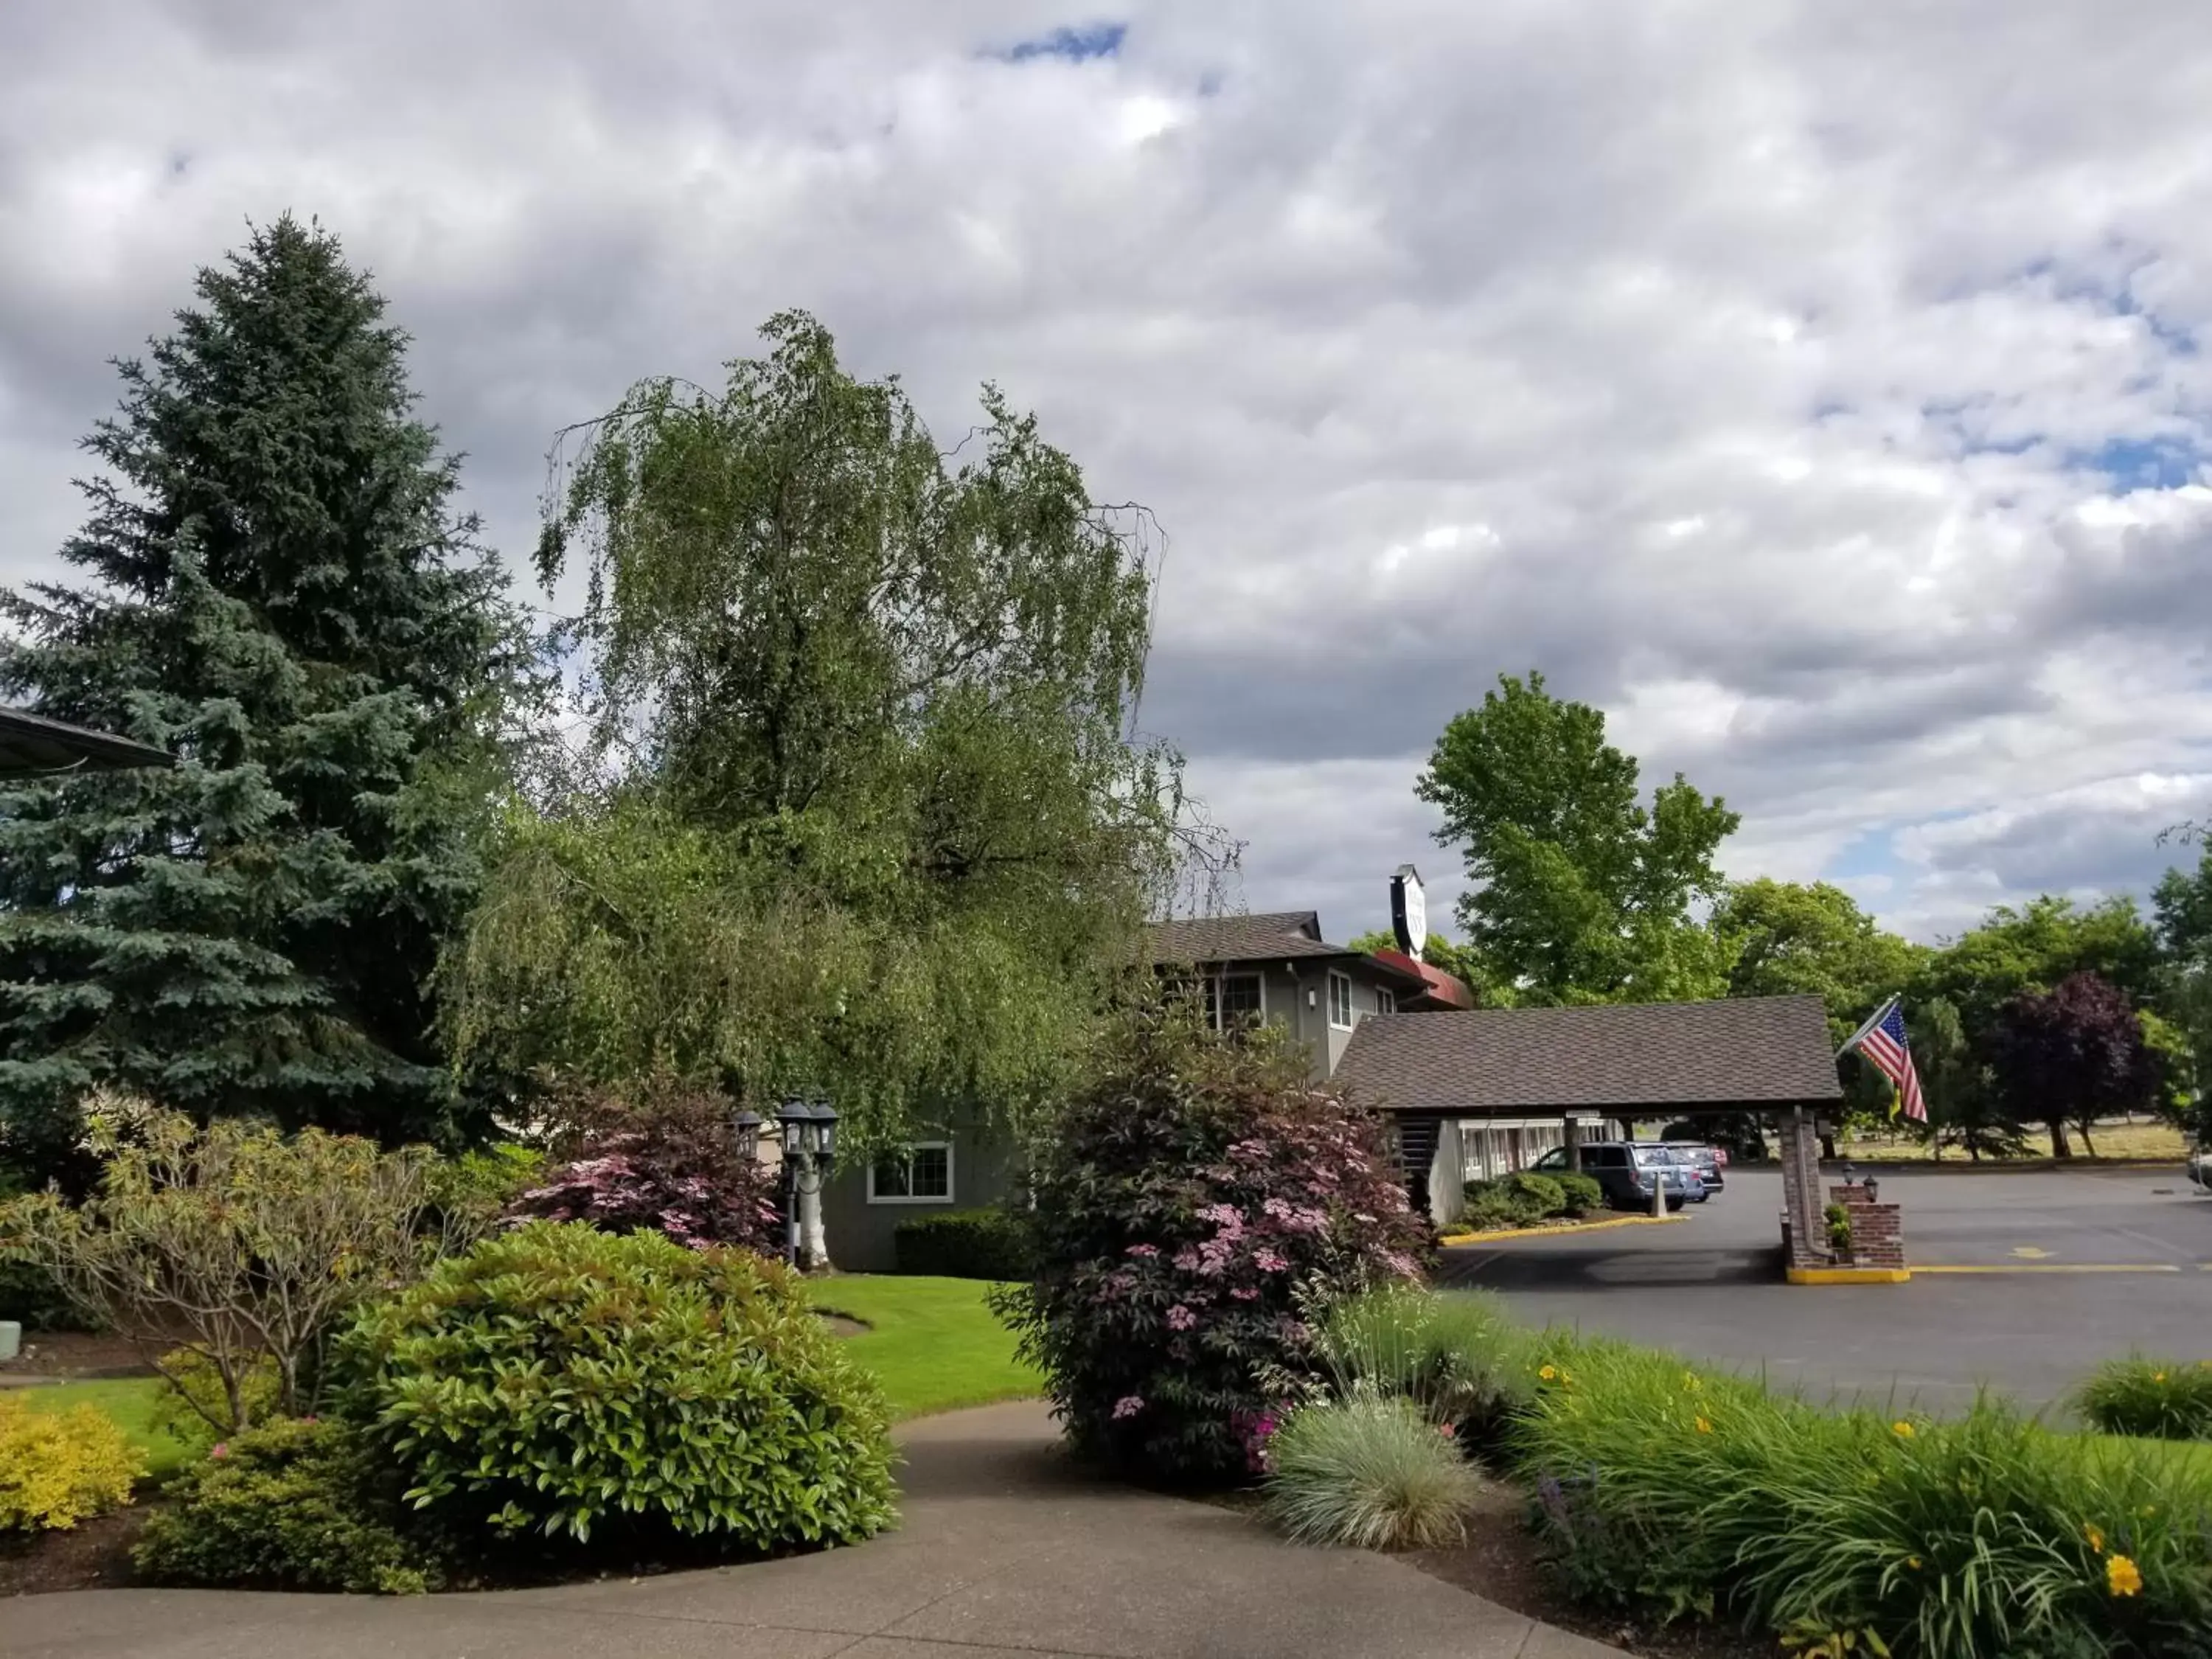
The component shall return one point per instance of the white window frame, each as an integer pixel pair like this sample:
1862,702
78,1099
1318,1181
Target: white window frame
1336,979
1386,999
951,1177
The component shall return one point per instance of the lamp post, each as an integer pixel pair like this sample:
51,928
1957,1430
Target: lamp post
809,1131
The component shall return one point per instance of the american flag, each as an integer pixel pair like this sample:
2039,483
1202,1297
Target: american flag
1884,1044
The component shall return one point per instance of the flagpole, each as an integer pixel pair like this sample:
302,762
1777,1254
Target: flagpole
1872,1020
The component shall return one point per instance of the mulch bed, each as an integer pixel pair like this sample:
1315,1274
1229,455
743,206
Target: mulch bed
52,1356
94,1554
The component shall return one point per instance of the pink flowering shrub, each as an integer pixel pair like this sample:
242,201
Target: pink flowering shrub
661,1158
1182,1201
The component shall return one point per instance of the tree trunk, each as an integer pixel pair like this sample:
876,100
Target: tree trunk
1827,1146
2088,1145
2060,1146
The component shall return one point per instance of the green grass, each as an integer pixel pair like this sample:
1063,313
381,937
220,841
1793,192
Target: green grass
128,1401
2118,1141
932,1344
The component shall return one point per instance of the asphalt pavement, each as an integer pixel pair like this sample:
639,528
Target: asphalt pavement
2023,1281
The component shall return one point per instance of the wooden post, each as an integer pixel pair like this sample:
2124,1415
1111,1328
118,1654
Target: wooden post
1573,1140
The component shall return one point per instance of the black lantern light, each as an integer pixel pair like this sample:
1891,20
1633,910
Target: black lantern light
1850,1170
797,1118
825,1128
1874,1189
745,1126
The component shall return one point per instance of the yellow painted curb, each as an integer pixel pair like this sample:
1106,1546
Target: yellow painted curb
2056,1267
1848,1275
1576,1227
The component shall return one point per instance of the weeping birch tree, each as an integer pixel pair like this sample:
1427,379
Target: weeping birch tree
862,808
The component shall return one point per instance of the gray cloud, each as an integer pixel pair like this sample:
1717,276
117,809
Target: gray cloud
1740,376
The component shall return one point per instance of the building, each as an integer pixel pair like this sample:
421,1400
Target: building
1491,1090
1275,969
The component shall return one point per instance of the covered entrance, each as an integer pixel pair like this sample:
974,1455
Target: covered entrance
1498,1087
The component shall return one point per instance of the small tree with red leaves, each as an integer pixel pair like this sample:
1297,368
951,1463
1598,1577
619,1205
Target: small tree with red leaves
2072,1055
661,1157
1183,1201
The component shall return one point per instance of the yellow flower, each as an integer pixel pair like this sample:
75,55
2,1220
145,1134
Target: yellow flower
2096,1535
1913,1562
2157,1377
2121,1577
1690,1384
1705,1426
1901,1429
2148,1510
1549,1373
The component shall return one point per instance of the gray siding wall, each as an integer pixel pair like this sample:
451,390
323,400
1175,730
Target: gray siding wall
1288,987
859,1233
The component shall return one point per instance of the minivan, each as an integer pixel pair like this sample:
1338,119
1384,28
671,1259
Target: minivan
1625,1171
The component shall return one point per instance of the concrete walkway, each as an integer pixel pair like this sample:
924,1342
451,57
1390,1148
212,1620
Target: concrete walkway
1004,1550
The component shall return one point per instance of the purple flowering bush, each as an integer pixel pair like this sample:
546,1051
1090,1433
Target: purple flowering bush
1183,1201
659,1157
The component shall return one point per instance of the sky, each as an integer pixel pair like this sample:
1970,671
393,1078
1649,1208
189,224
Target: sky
1818,389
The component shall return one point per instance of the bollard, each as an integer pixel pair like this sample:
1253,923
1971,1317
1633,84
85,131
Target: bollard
11,1339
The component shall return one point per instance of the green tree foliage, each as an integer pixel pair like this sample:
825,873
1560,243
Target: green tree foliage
866,815
2036,945
2182,909
1577,892
1963,1108
1440,953
280,592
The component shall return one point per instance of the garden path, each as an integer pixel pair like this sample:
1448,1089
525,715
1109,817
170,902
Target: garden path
1004,1549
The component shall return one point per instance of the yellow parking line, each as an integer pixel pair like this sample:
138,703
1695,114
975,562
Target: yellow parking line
2060,1268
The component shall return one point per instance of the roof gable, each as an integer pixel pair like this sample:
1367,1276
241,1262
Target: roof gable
1747,1051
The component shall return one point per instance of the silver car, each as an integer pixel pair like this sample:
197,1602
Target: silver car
2200,1168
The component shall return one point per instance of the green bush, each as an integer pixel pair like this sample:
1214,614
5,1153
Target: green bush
2159,1399
193,1405
1674,1491
1487,1208
299,1504
1541,1195
964,1244
557,1378
1582,1195
1374,1472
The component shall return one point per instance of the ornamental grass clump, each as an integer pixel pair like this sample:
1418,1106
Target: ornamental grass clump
1372,1472
562,1382
1185,1202
1456,1356
2158,1398
1670,1490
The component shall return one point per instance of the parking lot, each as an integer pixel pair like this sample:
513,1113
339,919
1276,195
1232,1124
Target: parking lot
2021,1281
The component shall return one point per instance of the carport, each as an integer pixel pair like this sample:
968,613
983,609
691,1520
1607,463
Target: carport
1617,1062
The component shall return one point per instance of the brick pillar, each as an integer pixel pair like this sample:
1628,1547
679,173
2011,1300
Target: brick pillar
1877,1230
1800,1190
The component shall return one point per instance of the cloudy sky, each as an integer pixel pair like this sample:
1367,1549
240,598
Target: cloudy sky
1818,388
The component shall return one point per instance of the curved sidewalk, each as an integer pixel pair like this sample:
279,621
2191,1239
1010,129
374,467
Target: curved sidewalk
1004,1550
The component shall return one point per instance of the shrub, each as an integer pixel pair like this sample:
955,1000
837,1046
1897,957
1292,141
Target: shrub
1581,1194
1664,1487
192,1401
964,1244
1541,1196
1370,1472
556,1377
57,1469
2159,1399
1182,1198
297,1503
660,1156
1457,1356
1488,1207
244,1241
1838,1218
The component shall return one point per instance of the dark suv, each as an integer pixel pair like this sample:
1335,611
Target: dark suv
1627,1171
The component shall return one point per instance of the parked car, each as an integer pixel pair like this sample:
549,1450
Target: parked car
1627,1171
2200,1168
1710,1161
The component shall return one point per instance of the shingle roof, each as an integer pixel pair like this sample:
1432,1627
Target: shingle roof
1280,933
32,744
1747,1051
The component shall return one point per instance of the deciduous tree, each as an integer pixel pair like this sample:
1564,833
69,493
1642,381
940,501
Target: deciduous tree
1577,892
2071,1055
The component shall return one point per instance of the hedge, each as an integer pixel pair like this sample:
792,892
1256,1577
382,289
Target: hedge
964,1244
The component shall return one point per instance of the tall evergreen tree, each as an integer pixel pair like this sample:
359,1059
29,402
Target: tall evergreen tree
282,594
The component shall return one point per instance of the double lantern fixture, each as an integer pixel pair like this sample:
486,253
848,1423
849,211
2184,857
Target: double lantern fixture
807,1128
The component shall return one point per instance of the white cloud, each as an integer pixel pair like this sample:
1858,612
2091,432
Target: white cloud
1748,378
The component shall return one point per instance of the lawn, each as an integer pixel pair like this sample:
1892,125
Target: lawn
2161,1141
128,1400
932,1344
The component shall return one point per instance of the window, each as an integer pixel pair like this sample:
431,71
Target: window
1386,1000
1339,1000
1232,1001
922,1173
1554,1159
